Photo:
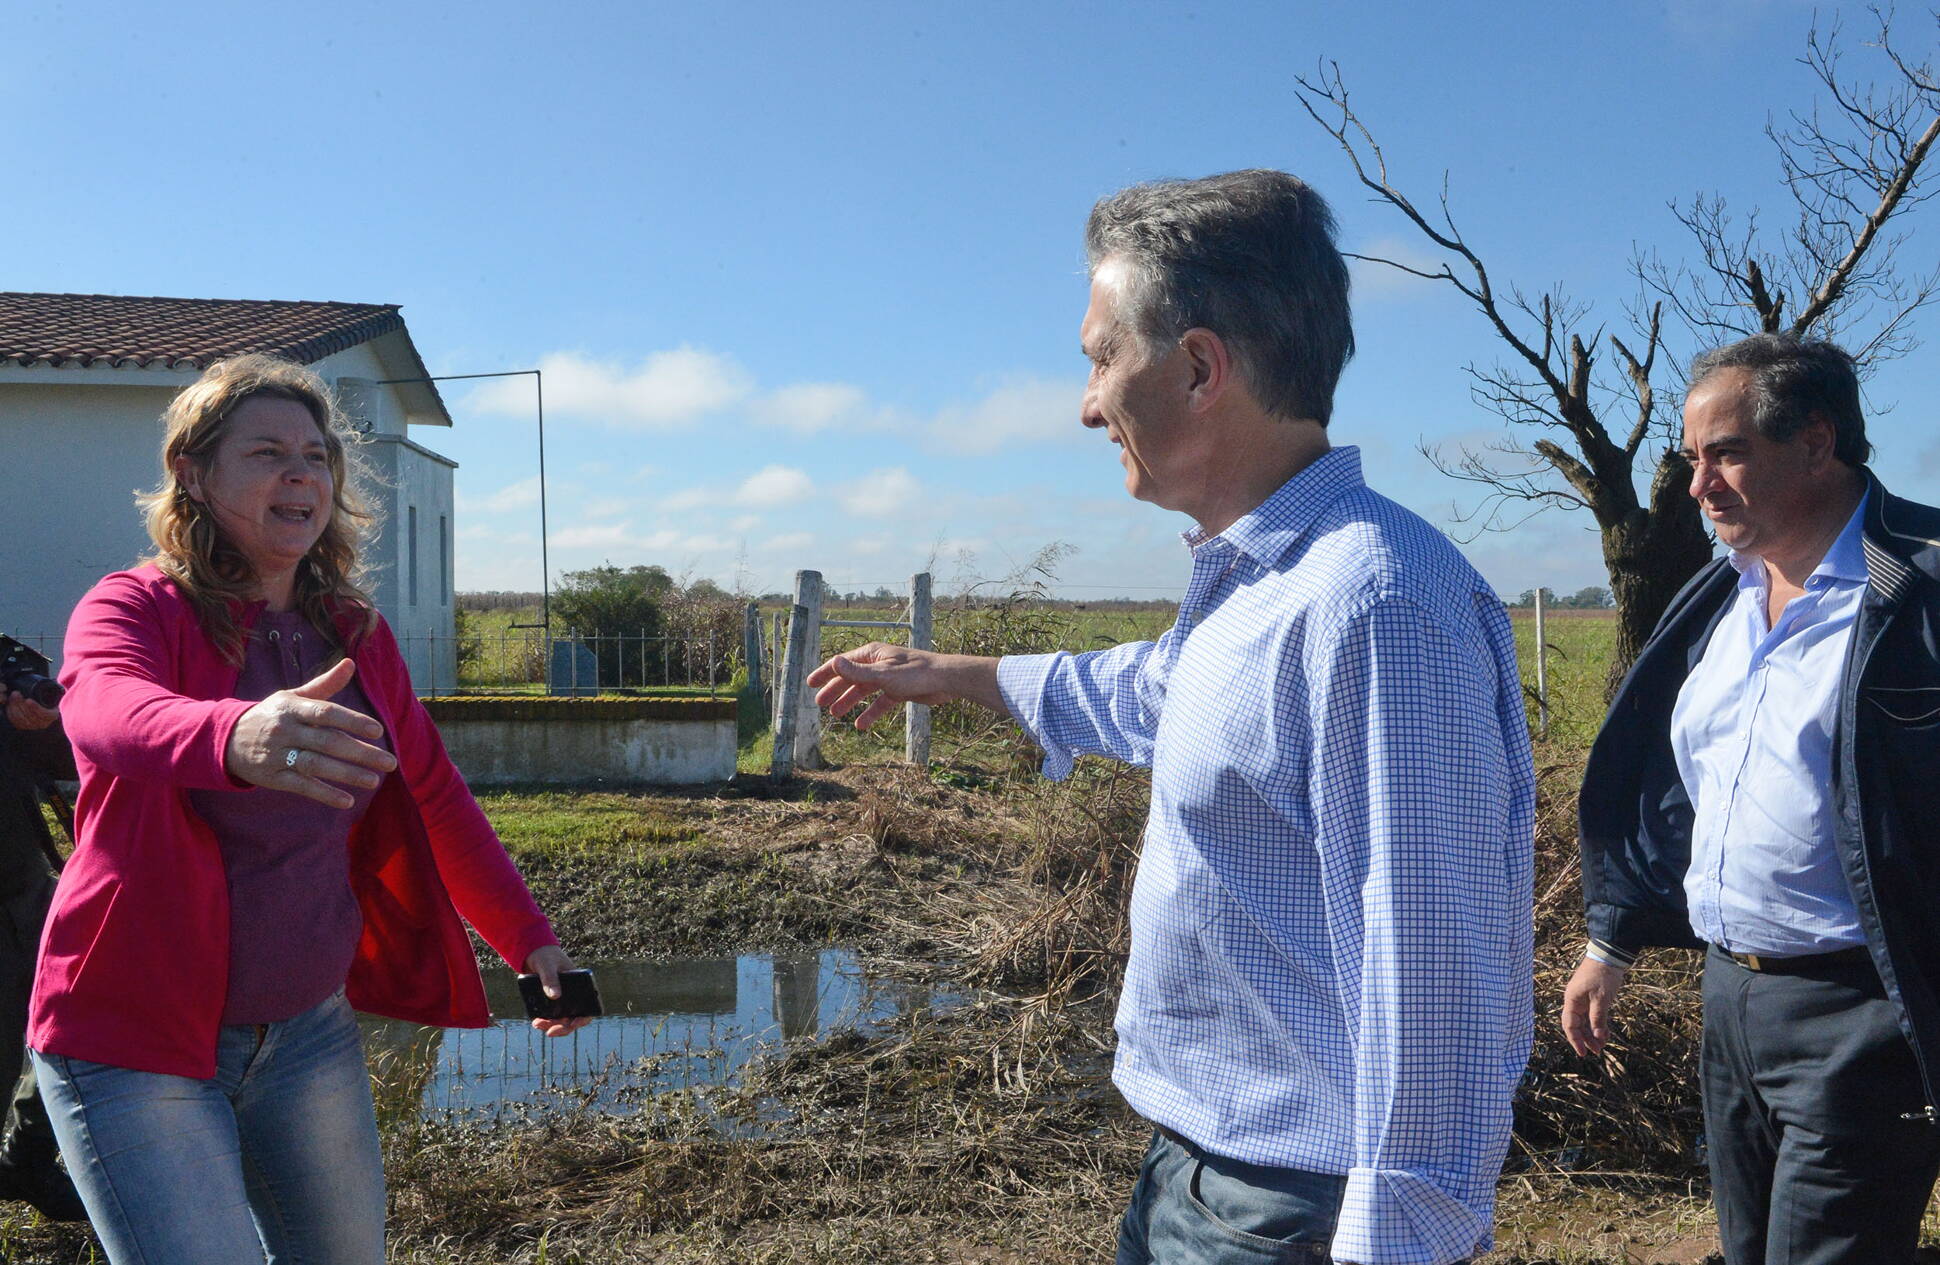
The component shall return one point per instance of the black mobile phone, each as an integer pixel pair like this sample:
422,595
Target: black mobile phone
578,995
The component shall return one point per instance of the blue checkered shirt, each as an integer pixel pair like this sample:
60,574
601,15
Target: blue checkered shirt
1331,948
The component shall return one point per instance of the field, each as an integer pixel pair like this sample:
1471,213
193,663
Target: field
988,1133
1578,645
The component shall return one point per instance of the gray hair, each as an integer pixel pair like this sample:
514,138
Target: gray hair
1249,255
1794,380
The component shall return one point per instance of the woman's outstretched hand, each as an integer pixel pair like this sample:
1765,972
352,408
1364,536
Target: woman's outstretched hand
546,963
299,741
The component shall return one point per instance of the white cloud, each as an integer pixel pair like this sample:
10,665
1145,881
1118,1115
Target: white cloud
510,497
789,542
1374,280
744,522
774,485
687,499
620,540
486,532
1022,411
668,389
594,536
881,493
607,507
808,407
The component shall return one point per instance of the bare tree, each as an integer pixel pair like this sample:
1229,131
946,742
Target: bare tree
1610,401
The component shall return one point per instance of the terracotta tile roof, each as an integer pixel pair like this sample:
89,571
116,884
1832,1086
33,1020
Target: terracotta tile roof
121,331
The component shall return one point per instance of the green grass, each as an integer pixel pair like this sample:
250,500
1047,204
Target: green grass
623,875
555,823
1580,645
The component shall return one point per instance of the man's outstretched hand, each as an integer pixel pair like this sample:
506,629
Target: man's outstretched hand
882,676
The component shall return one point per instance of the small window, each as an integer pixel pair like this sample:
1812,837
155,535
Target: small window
411,536
444,561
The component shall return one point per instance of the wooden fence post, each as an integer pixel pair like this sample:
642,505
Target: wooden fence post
808,721
916,730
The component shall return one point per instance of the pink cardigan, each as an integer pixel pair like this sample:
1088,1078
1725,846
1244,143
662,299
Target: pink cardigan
134,961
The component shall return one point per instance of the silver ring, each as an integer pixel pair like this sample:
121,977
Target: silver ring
289,758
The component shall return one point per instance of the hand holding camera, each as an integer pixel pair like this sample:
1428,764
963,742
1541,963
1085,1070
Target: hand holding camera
26,683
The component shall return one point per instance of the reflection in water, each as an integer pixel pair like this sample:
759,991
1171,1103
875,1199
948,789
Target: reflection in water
671,1024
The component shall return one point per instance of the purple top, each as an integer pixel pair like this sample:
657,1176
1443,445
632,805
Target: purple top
293,919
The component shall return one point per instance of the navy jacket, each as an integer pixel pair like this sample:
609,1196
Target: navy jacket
1634,817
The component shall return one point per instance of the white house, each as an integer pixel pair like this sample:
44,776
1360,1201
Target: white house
84,379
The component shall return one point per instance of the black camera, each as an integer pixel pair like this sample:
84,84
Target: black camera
26,670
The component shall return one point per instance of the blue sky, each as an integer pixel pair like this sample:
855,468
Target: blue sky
806,280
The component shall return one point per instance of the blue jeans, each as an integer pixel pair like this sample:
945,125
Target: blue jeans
275,1159
1194,1208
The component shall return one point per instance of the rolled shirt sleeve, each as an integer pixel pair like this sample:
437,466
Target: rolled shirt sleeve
1102,702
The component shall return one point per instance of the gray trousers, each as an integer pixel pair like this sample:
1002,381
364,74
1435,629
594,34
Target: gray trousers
1805,1078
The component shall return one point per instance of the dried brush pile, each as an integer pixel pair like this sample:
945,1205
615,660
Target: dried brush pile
1635,1108
991,1127
1056,926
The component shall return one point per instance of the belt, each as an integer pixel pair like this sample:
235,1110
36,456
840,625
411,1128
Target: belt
1174,1136
1858,955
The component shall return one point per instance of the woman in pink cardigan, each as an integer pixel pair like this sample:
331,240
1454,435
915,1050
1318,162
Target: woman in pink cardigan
269,835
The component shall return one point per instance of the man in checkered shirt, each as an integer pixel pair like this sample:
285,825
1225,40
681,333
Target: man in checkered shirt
1327,1004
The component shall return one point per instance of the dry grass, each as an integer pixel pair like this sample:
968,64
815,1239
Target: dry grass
1634,1109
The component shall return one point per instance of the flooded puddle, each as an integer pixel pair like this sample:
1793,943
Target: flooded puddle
672,1024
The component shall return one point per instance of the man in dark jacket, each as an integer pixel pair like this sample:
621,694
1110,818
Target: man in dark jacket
1768,784
33,753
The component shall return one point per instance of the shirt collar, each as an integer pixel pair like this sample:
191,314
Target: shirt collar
1270,528
1845,560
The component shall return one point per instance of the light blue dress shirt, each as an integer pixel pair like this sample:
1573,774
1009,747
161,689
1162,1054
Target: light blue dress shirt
1331,948
1752,732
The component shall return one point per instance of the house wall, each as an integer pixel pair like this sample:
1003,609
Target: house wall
416,488
75,445
71,459
413,485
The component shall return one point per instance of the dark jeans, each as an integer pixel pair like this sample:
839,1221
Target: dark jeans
29,1137
1805,1078
1193,1208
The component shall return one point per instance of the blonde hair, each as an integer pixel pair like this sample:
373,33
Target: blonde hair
191,548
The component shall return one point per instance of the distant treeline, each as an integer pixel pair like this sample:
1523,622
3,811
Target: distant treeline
497,600
1593,598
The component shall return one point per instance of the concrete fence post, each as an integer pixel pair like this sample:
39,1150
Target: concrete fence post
780,644
808,721
788,688
1542,671
751,644
916,731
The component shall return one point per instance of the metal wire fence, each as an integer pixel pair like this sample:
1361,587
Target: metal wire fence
531,661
